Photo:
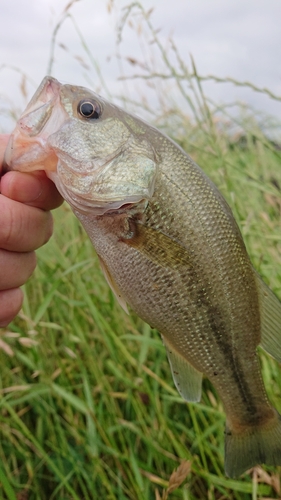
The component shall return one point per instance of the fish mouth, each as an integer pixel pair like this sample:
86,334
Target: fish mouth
28,149
96,184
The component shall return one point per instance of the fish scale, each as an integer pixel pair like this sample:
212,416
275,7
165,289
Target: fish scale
169,247
176,294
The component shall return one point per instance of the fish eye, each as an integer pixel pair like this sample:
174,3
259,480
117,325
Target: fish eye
89,109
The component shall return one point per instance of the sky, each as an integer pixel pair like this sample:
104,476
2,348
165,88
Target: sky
240,39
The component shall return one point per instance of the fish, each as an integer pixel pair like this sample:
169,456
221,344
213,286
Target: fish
170,249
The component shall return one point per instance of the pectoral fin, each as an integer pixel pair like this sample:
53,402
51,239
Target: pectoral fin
158,247
113,285
187,379
270,313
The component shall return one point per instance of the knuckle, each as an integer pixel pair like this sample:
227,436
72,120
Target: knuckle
8,228
12,226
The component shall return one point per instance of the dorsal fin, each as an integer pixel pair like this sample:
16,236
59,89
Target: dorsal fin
187,379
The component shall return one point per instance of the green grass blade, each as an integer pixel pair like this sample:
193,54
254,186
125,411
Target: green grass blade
6,485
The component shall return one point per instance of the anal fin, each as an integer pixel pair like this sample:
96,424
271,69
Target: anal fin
270,314
113,285
187,379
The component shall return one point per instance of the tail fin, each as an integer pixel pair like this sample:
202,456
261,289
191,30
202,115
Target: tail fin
261,445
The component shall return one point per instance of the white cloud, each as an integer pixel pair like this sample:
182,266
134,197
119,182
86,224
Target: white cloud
241,39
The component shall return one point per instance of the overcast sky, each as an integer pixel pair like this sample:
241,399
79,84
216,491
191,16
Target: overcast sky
235,38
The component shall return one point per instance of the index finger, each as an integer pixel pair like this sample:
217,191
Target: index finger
23,228
34,189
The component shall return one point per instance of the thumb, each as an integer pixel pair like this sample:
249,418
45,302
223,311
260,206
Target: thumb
4,138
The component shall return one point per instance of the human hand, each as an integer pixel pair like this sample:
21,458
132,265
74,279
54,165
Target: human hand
25,225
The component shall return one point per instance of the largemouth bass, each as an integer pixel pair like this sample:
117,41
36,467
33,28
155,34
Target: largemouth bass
169,248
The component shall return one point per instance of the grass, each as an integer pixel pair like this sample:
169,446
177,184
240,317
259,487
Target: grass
88,407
